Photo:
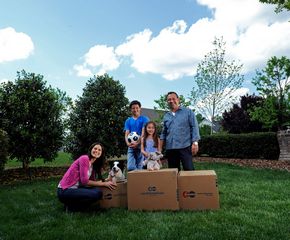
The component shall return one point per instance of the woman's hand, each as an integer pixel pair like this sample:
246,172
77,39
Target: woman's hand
110,185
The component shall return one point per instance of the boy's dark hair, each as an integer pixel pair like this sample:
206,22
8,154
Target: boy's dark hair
134,102
171,93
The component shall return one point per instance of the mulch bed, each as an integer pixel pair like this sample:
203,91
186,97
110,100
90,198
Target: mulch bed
14,175
256,163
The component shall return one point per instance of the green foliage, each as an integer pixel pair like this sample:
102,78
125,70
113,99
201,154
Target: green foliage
204,129
99,116
32,115
216,80
273,83
4,149
254,205
237,119
251,145
281,4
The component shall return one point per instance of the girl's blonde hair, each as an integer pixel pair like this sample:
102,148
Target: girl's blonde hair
155,137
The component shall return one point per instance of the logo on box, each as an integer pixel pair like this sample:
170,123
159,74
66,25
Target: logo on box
108,196
152,190
190,194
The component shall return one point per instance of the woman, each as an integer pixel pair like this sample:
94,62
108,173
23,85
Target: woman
78,189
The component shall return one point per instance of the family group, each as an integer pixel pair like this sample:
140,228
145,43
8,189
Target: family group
80,186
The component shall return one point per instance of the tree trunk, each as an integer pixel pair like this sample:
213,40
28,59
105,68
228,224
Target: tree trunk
25,166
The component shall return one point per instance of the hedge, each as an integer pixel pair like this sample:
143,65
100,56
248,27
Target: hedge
250,145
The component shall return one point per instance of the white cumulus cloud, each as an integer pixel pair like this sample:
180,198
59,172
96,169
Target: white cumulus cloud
253,33
14,45
98,60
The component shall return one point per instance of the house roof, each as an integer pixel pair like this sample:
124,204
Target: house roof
216,125
152,114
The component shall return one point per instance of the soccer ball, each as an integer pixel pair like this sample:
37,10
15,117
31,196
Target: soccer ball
133,137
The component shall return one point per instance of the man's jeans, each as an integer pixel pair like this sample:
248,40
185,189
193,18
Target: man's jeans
134,159
184,155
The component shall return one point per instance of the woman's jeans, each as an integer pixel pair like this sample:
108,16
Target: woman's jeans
77,199
134,159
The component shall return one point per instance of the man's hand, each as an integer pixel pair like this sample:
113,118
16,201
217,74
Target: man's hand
194,148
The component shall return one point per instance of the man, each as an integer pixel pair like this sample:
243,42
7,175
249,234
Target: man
135,123
180,133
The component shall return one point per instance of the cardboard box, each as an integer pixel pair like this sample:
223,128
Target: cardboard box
115,198
153,190
198,190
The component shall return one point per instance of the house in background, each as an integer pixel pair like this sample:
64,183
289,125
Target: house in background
152,114
216,125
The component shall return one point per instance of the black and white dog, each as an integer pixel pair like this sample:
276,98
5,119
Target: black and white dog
116,175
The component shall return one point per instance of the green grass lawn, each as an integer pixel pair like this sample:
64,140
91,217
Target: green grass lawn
255,204
62,159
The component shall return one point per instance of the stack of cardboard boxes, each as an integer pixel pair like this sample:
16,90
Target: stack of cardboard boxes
166,189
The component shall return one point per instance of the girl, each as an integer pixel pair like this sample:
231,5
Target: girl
150,142
78,189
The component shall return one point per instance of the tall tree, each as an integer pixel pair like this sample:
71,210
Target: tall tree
281,4
237,119
99,115
32,115
273,84
216,81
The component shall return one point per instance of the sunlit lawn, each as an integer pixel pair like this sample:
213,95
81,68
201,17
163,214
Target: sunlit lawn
255,204
62,159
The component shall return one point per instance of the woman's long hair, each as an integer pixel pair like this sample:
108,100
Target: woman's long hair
98,165
155,137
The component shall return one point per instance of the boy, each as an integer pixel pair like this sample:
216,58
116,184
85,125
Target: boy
135,123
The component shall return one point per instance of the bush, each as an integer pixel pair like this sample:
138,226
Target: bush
3,149
251,145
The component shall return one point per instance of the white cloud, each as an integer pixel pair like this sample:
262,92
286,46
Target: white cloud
83,71
253,33
98,60
14,45
4,80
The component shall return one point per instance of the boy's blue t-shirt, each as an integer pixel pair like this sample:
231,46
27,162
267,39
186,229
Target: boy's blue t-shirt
136,125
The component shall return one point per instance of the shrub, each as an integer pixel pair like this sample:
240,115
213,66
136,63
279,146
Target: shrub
251,145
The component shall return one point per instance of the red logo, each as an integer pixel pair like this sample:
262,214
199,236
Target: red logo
190,194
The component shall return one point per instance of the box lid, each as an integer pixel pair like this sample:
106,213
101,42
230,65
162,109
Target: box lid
197,173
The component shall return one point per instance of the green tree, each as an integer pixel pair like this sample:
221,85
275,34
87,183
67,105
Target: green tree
32,116
4,143
237,119
216,81
273,84
99,115
203,129
281,4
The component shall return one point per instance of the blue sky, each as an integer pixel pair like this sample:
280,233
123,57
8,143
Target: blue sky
150,46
